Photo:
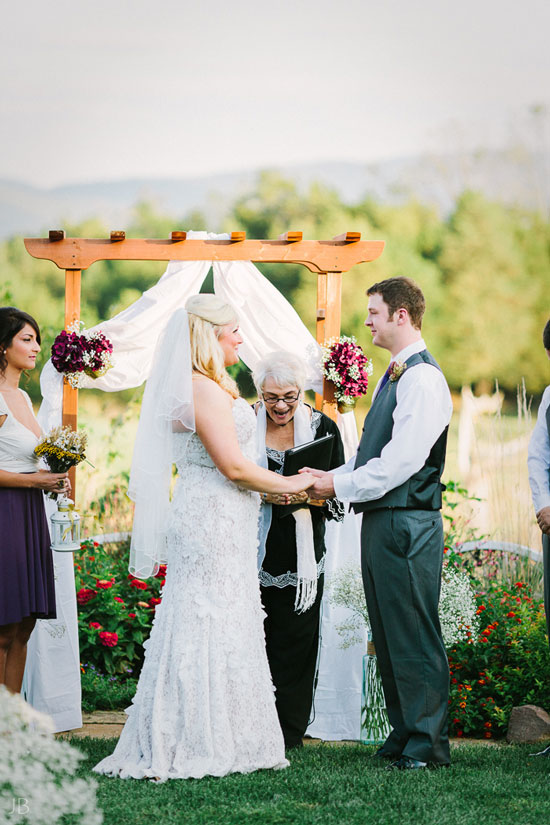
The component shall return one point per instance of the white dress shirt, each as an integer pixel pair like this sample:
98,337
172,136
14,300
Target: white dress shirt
538,457
423,410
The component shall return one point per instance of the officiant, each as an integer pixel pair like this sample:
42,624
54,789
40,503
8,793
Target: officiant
292,549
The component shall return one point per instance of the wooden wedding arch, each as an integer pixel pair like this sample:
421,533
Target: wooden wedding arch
327,259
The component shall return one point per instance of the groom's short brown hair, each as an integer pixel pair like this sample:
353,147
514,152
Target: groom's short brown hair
400,293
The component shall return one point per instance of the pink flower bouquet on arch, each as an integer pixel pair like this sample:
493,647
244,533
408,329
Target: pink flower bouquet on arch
348,368
77,352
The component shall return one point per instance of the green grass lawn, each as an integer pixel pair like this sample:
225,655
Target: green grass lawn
497,785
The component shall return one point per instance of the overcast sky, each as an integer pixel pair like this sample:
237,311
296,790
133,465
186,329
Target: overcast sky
118,88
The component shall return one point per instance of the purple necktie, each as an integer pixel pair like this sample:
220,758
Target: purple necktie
385,378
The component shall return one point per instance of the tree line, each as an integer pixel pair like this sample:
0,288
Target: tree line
484,268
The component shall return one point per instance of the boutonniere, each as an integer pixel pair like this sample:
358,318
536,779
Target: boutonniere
397,370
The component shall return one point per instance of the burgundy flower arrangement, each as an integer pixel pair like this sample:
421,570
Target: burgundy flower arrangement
347,366
78,352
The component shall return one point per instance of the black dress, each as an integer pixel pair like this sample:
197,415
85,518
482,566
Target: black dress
292,639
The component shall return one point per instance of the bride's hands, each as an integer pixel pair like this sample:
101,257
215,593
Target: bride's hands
299,482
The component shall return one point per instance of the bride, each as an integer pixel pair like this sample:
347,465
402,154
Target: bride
204,703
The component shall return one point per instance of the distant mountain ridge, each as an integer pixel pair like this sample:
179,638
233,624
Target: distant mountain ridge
507,176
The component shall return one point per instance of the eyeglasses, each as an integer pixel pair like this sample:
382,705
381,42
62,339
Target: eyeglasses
286,399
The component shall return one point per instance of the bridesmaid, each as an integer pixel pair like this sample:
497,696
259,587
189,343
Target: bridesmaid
26,566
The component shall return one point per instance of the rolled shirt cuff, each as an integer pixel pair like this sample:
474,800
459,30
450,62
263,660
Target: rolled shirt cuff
539,502
344,487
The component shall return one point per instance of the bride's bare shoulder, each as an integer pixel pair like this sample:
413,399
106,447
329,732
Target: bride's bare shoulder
205,390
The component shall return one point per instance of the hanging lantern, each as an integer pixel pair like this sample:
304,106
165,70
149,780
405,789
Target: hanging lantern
375,727
65,527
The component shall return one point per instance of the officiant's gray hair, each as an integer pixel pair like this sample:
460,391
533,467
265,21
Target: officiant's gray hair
284,368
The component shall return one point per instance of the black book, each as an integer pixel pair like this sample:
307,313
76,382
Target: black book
316,454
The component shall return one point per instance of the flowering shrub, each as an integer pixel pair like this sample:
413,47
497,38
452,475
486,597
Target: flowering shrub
506,665
77,353
102,692
37,782
346,365
115,610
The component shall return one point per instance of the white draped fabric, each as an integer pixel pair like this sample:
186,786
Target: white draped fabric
267,323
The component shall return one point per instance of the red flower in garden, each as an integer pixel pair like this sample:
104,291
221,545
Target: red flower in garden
131,615
96,544
104,584
108,639
91,558
118,599
511,614
518,584
460,733
84,595
487,724
488,734
154,601
161,572
95,625
138,584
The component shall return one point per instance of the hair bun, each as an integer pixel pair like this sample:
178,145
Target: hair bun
211,308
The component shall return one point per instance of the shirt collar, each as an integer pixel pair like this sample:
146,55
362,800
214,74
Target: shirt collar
411,349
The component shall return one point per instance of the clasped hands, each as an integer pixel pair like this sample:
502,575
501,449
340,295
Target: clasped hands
543,520
323,487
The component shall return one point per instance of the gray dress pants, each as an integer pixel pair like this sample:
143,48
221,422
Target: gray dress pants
402,557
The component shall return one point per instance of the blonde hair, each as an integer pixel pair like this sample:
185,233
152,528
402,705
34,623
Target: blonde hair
208,314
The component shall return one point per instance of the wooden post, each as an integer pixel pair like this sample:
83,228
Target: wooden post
329,309
70,394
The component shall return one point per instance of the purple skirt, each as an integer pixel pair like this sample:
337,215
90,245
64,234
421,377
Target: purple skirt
26,564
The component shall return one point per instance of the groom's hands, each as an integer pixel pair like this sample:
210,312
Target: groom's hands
323,486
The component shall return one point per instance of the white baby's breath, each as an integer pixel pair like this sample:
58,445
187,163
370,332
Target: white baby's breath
457,606
346,590
37,782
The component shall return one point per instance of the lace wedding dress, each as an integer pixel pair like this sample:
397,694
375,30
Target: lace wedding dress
205,703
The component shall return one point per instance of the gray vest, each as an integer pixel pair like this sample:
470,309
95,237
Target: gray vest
422,491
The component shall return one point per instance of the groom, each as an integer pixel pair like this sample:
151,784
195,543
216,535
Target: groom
395,481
